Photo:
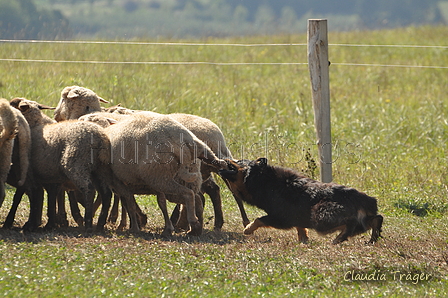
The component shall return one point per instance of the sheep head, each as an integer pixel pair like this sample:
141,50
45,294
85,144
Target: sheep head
31,110
75,102
98,119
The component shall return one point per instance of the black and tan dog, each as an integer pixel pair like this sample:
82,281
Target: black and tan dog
295,201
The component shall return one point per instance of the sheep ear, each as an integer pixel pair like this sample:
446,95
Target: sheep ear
23,106
262,161
44,107
15,102
102,99
73,94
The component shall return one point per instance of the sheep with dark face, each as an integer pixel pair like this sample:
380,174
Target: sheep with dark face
78,101
295,201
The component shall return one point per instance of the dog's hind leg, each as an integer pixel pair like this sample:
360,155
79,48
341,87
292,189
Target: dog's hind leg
376,224
303,235
253,226
348,231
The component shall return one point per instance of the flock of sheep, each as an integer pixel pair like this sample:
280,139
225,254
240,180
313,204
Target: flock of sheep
89,151
80,152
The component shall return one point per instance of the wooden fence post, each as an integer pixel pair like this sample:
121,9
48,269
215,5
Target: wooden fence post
320,85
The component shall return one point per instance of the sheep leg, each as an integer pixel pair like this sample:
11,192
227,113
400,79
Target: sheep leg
2,193
15,204
141,216
376,224
253,226
190,206
210,187
239,202
61,214
124,218
52,193
184,195
175,215
105,194
36,205
169,228
199,208
73,197
96,204
128,202
303,235
182,223
114,211
88,192
188,198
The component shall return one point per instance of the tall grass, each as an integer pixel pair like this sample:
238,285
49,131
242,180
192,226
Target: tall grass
389,127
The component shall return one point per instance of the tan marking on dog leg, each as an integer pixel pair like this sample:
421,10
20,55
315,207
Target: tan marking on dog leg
376,224
253,226
303,235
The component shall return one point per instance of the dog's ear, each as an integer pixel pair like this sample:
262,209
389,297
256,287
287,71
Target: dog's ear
262,161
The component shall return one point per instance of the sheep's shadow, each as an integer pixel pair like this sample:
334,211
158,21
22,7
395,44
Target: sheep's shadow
16,235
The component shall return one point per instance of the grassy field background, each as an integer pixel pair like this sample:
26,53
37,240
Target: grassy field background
389,126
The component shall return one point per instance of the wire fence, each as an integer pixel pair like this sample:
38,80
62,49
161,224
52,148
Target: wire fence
213,44
207,44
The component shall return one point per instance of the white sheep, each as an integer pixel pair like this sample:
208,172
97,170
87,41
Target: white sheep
154,154
8,131
20,162
78,101
186,175
69,153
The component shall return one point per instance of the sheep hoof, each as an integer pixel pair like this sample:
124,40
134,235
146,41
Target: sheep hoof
167,233
181,227
142,220
134,229
195,229
80,222
50,227
62,221
112,219
27,227
7,225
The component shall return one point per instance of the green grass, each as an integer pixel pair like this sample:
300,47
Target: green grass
389,128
